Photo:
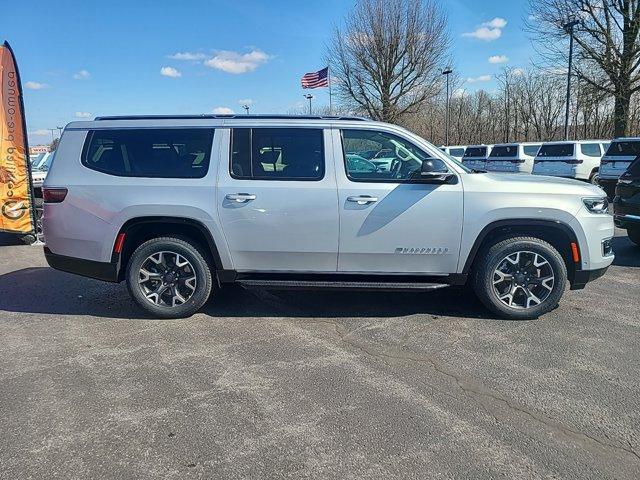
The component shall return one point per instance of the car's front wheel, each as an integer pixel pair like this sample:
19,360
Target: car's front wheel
520,278
169,277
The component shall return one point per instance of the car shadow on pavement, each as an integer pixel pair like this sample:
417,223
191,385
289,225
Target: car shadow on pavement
47,291
627,252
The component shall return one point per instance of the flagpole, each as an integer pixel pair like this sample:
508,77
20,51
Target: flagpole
330,96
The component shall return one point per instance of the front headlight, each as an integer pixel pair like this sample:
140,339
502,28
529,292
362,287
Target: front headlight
596,204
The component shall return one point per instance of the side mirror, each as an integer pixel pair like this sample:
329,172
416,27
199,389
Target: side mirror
430,172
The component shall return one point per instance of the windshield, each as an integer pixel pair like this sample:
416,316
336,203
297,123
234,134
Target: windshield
624,149
504,151
556,150
475,152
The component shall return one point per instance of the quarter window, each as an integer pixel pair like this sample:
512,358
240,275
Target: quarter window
591,149
277,154
374,156
161,153
531,150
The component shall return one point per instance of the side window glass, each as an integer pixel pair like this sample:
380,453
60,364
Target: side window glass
277,154
531,150
382,157
590,149
154,153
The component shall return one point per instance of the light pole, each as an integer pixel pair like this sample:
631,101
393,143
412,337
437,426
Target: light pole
568,27
246,107
446,72
52,134
60,131
309,97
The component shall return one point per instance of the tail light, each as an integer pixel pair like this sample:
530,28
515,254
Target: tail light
54,195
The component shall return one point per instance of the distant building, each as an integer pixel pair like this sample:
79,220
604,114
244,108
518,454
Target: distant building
35,150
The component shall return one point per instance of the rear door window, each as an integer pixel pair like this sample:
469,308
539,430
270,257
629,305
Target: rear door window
456,152
590,149
624,149
531,150
556,150
475,152
504,151
277,154
156,153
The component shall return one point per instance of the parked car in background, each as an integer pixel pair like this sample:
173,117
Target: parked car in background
626,204
574,159
39,173
456,151
179,205
475,156
512,157
616,160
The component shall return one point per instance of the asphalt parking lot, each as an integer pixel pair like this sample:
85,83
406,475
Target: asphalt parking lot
315,384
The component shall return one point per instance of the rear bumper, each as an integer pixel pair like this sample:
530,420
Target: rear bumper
582,277
105,271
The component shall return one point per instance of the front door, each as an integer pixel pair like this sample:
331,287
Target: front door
389,222
277,200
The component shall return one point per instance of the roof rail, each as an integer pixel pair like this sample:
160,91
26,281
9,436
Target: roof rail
231,116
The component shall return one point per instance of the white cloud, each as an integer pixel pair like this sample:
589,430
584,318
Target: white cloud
35,85
458,93
488,31
481,78
188,56
83,115
40,132
245,101
236,63
81,75
223,111
495,23
498,59
170,72
518,72
484,33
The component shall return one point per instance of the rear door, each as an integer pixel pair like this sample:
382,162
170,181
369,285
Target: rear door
389,223
556,159
277,199
618,157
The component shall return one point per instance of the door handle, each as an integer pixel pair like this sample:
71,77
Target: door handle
240,197
362,199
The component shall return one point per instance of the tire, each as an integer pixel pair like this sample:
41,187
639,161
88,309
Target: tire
594,179
634,235
175,270
501,256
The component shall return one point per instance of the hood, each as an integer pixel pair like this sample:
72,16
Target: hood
540,184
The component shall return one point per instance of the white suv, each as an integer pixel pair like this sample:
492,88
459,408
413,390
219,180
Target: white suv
179,206
578,159
512,157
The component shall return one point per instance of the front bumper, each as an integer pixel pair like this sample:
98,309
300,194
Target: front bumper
105,271
582,277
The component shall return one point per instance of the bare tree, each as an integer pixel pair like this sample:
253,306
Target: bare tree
386,59
607,46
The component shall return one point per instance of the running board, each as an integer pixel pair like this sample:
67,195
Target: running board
340,285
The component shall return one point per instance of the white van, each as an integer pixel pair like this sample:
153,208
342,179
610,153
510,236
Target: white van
616,160
512,157
475,156
456,151
573,159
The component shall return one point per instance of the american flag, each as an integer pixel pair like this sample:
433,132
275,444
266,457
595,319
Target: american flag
316,79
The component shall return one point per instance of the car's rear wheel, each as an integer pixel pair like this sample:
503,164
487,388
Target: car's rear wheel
634,235
520,278
595,178
169,277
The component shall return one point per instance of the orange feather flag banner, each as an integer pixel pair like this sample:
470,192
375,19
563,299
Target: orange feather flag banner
16,194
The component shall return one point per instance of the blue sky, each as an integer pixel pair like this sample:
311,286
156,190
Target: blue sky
83,58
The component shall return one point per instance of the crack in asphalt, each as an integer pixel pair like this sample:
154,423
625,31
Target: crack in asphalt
466,385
